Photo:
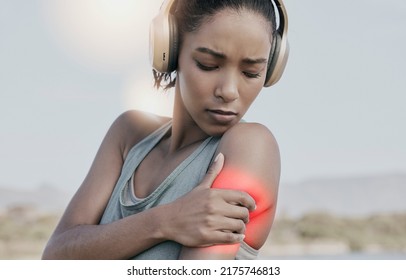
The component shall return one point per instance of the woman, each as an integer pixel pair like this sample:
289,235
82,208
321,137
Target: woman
203,184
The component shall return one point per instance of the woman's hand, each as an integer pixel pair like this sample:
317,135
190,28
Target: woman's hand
253,167
207,216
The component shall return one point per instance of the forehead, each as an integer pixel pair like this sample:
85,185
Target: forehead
233,31
238,16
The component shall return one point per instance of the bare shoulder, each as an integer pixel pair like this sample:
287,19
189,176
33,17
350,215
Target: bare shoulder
250,144
89,202
254,132
133,125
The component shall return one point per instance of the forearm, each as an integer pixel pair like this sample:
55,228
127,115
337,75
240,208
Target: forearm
216,252
121,239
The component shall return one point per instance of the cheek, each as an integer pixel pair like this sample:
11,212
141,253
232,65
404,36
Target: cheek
193,85
249,95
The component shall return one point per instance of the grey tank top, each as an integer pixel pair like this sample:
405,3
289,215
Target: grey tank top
182,180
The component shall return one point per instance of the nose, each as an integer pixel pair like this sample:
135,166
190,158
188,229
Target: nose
227,89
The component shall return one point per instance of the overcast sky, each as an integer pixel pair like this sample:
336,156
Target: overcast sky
69,68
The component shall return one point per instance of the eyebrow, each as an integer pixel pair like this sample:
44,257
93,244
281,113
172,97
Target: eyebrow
211,52
223,56
254,61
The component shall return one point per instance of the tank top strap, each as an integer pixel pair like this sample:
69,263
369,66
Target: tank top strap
133,159
139,151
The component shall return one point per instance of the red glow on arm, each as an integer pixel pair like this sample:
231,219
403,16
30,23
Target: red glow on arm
261,218
235,179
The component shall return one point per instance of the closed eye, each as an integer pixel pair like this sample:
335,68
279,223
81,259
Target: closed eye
252,75
205,67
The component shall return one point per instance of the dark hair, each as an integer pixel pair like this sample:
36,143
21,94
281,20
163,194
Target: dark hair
191,14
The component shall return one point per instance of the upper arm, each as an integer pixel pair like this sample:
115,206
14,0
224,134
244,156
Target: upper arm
252,164
88,204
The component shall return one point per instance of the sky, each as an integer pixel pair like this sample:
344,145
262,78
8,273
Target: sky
69,68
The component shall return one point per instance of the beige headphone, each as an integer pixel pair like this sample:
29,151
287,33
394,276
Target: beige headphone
164,43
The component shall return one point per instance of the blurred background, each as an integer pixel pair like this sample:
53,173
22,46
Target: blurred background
69,68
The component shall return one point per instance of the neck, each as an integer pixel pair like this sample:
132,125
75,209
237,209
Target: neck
185,131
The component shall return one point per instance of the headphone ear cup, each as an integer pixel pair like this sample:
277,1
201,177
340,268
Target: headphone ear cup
173,45
271,59
163,39
277,59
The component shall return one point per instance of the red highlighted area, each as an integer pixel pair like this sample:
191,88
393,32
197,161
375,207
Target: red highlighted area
259,225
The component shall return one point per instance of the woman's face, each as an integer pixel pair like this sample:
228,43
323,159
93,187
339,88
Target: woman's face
222,68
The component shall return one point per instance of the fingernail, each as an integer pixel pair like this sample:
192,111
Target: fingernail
242,237
217,157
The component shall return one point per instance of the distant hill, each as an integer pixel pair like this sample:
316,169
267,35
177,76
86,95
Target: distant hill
355,196
45,198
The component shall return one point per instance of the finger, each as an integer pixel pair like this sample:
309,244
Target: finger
237,212
234,226
224,237
213,171
241,198
234,211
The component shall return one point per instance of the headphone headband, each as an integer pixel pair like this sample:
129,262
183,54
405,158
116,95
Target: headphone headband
164,43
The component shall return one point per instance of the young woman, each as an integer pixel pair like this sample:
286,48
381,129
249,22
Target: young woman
202,184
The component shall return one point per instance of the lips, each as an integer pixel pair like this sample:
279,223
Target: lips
222,112
222,116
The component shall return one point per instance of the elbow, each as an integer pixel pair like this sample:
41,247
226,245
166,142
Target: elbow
48,253
46,256
54,251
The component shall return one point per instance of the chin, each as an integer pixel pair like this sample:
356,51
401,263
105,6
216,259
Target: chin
217,130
